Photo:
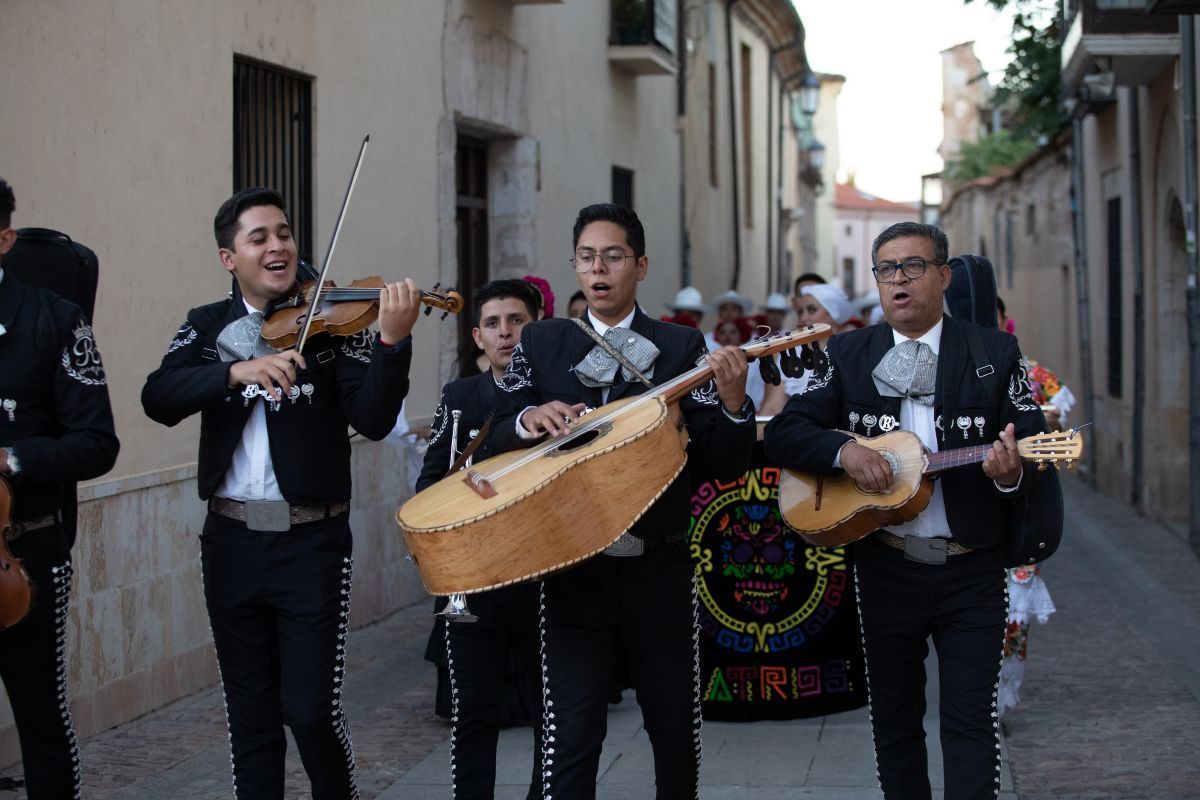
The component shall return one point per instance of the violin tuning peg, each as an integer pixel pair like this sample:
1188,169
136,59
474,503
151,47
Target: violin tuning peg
436,286
445,314
427,310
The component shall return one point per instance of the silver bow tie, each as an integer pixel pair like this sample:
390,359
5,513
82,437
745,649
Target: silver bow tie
907,370
241,340
599,368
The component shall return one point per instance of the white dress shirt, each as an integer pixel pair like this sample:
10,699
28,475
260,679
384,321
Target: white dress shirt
919,419
601,329
251,475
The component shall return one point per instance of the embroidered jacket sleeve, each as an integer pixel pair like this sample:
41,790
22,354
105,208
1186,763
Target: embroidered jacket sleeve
719,446
188,380
518,391
81,441
802,436
373,381
1017,406
437,454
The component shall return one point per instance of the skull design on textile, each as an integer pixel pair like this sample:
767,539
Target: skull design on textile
759,554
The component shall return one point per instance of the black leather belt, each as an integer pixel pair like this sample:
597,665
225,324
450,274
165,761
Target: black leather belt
296,515
953,548
18,529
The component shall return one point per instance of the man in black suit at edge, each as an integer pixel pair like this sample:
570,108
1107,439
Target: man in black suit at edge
942,574
639,597
56,428
274,468
479,653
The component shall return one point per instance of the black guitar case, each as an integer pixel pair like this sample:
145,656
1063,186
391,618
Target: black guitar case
971,295
1036,529
46,259
42,258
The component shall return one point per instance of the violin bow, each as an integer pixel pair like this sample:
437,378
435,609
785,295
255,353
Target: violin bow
337,229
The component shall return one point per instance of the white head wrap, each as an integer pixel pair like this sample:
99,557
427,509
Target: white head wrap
832,299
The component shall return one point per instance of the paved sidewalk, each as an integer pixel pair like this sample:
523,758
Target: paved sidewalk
402,749
1111,705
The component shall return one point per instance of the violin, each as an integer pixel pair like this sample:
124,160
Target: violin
16,588
341,311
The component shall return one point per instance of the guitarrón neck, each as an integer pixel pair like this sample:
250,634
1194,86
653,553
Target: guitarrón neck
960,456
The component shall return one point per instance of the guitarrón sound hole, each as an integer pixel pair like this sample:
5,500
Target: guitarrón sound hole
578,441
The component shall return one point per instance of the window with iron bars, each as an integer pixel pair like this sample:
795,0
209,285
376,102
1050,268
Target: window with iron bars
272,139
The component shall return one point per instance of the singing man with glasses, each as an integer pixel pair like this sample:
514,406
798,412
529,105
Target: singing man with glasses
943,573
637,600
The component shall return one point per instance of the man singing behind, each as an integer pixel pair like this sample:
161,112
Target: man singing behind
479,653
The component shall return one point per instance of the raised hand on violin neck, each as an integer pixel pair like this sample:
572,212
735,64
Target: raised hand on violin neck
399,305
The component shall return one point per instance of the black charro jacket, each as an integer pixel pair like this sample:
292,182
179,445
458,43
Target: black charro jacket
809,431
55,412
475,397
348,381
542,369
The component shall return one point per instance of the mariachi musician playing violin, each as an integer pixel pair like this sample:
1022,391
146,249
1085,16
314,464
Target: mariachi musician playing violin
56,428
639,596
274,467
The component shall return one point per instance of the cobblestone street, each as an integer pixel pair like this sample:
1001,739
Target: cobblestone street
1111,701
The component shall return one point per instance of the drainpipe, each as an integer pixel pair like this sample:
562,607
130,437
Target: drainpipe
1187,38
685,245
733,148
770,181
1081,292
1139,308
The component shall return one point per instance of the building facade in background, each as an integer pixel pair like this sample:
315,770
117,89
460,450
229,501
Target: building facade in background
858,218
1099,296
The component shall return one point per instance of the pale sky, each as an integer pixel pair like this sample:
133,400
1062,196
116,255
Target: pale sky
889,111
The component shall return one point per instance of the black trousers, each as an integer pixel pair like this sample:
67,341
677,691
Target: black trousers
644,608
479,655
962,605
279,605
33,664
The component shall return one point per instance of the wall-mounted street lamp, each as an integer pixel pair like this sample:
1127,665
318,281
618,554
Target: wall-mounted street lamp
810,94
816,156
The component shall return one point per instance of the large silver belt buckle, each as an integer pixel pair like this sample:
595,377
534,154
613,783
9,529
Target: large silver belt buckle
625,546
268,515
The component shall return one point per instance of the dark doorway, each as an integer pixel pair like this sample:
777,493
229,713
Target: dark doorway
471,217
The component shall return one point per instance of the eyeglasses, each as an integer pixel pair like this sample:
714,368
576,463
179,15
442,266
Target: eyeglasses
912,268
613,258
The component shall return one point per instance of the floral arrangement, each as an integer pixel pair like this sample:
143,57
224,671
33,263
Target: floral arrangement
1045,383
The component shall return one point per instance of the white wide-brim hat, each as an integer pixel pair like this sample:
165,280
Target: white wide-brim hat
733,297
776,302
687,299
